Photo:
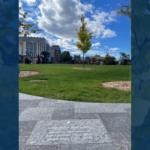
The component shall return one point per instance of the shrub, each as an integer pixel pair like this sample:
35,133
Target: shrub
109,60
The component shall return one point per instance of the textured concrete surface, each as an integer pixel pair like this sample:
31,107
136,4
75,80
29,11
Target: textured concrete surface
51,124
68,132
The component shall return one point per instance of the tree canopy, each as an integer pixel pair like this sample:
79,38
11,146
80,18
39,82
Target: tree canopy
124,10
84,37
65,57
46,55
124,56
109,60
26,28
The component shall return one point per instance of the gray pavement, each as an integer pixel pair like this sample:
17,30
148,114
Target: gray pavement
51,124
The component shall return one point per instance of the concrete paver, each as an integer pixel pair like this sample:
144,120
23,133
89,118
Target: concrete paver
51,124
36,114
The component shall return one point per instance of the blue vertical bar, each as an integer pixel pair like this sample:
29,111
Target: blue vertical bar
9,75
140,92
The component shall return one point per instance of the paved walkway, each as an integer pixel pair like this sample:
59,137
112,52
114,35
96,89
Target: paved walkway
50,124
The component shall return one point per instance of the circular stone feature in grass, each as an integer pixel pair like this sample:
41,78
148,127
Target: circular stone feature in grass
83,68
121,85
37,80
27,73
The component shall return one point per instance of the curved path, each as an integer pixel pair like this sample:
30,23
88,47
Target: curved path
50,124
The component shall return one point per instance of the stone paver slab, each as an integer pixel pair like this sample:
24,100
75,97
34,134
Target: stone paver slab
43,147
47,103
29,103
63,106
26,127
68,132
86,116
36,114
116,122
89,147
21,110
88,108
63,114
120,141
22,141
116,108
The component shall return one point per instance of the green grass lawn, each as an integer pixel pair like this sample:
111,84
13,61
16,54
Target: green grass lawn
76,85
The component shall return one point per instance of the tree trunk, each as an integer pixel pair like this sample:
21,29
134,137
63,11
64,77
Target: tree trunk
83,60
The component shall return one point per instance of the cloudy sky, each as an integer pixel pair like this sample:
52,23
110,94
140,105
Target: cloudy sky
58,20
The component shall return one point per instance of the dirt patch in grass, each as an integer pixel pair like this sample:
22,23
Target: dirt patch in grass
27,73
37,80
83,68
121,85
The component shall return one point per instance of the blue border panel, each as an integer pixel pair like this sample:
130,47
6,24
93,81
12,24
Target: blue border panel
9,71
140,77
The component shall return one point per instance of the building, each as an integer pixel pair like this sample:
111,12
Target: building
33,46
77,58
87,60
97,57
55,53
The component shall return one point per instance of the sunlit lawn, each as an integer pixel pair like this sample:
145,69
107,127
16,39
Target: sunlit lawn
66,83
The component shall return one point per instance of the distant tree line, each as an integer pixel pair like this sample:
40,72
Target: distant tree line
109,60
65,57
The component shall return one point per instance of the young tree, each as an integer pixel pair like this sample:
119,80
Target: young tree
26,28
124,10
84,37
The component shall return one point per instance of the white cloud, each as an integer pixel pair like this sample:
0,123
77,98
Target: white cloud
92,1
29,1
114,49
115,55
108,33
21,12
62,42
106,47
20,4
111,49
96,44
76,53
94,52
61,17
29,19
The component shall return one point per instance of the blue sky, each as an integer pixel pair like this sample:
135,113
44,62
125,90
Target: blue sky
58,20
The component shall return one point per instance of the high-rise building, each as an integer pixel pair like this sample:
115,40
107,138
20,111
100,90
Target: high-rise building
55,52
34,48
